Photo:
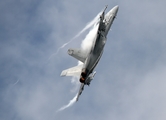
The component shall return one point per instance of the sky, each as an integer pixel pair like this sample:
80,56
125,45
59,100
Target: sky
130,82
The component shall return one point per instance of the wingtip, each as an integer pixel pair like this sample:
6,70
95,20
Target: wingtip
63,73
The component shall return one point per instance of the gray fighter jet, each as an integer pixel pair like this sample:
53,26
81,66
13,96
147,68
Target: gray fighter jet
91,59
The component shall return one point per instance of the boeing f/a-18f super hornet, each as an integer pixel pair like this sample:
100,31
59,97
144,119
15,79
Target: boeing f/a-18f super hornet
90,60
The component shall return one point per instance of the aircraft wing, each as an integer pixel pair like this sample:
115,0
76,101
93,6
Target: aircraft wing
78,54
74,71
80,91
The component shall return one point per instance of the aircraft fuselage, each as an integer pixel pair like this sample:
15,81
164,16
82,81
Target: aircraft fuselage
98,45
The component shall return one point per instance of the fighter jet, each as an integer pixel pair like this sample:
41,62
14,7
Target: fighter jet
86,71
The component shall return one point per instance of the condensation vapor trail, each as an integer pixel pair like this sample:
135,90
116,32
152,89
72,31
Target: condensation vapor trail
16,82
89,25
69,104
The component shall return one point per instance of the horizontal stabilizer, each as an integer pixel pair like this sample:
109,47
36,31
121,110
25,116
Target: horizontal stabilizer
74,71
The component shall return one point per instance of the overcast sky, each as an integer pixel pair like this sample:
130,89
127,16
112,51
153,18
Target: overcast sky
130,83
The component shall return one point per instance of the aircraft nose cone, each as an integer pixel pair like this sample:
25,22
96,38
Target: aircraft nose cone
115,9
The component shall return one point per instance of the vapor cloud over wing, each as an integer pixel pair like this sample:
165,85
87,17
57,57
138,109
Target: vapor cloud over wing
89,25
